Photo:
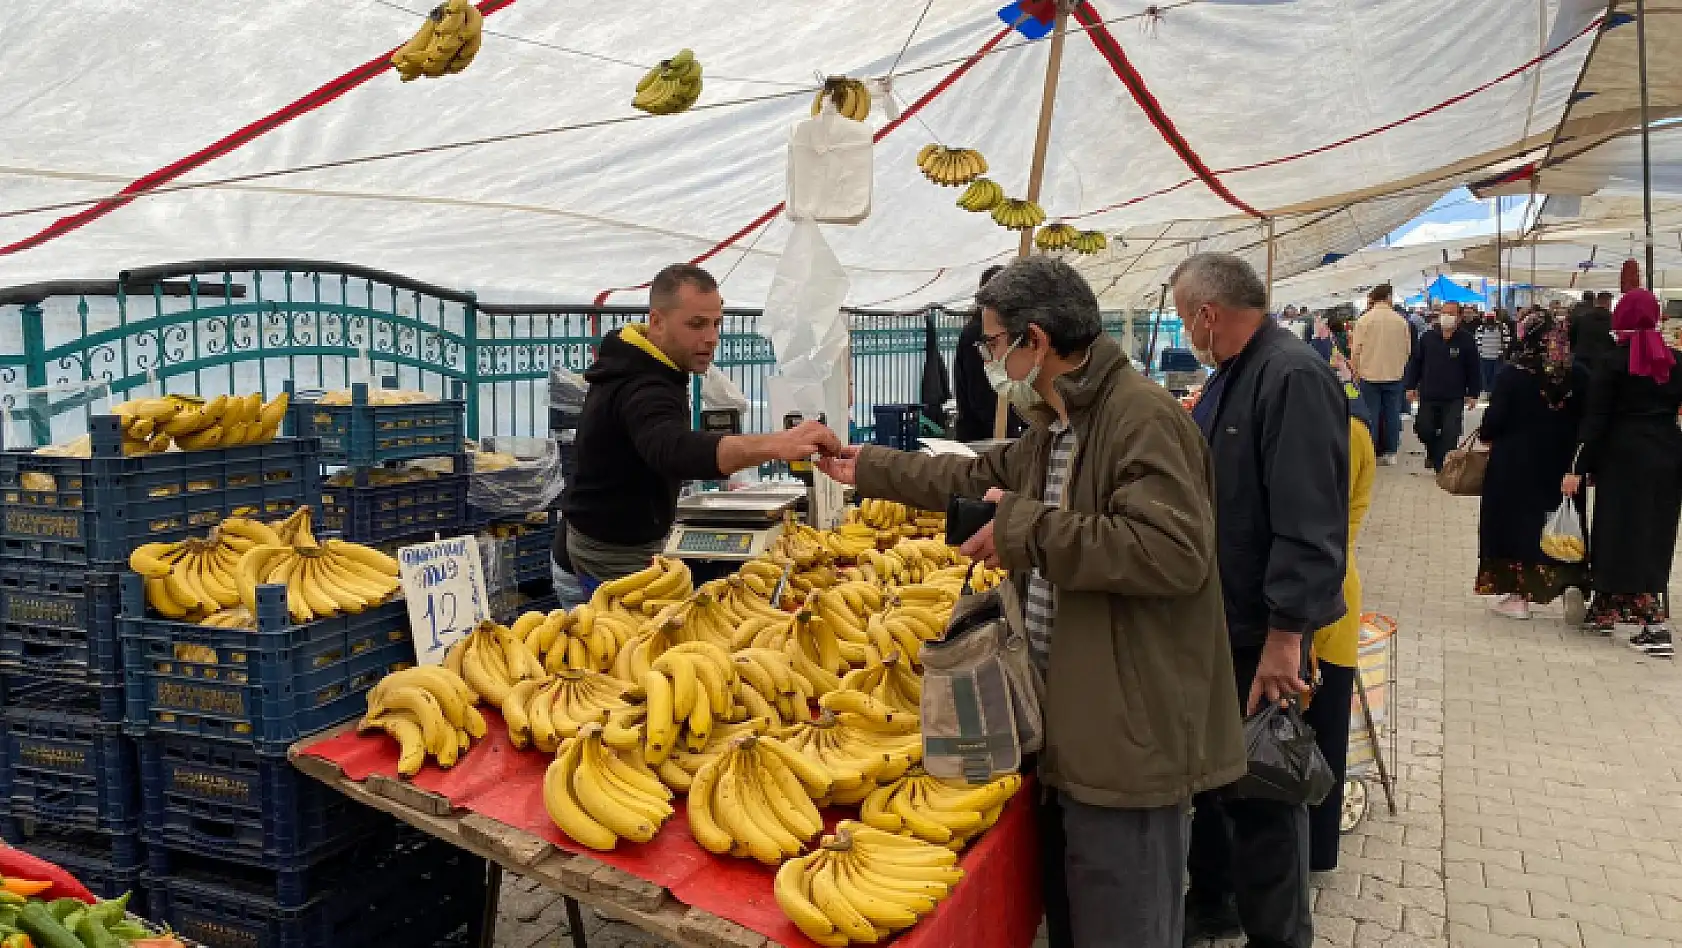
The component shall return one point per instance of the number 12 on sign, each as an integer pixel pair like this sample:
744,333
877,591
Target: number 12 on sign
444,584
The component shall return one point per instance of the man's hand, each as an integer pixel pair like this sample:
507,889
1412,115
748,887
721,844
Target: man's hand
1413,395
806,439
842,465
993,495
980,547
1277,675
1570,485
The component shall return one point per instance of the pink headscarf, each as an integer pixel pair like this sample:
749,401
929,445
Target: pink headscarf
1636,321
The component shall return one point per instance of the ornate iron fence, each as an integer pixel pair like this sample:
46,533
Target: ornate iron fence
214,326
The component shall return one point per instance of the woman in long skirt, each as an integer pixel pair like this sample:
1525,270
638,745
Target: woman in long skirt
1631,451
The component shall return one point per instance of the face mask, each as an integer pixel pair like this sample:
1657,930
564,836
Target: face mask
1204,355
1018,392
1449,322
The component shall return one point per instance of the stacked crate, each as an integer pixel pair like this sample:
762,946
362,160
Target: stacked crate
69,775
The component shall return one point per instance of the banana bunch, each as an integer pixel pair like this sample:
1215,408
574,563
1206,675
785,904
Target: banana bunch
862,885
851,97
1563,547
983,194
195,578
799,543
378,395
760,577
951,167
636,657
844,608
1017,214
933,811
802,635
849,541
755,800
883,514
769,686
666,580
492,661
542,712
813,578
890,682
233,617
150,425
573,641
736,597
1055,236
446,42
679,768
671,87
859,751
383,476
321,581
699,618
429,711
599,795
689,687
1089,242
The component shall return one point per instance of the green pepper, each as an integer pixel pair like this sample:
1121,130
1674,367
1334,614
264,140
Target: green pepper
110,911
62,907
95,935
73,918
128,930
44,928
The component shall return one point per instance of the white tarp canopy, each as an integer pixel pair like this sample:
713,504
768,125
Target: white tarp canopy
100,93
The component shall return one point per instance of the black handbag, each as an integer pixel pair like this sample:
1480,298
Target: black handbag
1286,765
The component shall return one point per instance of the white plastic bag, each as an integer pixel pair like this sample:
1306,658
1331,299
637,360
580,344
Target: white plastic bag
830,169
718,391
1562,535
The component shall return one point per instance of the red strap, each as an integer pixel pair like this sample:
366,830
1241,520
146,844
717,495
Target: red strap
1135,83
881,133
309,102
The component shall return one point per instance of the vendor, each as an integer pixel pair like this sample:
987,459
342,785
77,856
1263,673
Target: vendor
635,445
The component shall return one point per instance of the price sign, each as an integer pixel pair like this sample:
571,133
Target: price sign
444,584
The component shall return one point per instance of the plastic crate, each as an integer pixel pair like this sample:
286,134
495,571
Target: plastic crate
395,891
229,802
68,770
95,511
265,687
371,513
104,701
897,426
109,864
364,435
59,623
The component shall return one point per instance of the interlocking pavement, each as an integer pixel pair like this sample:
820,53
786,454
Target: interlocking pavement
1539,775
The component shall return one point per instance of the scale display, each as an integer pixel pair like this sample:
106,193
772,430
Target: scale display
702,542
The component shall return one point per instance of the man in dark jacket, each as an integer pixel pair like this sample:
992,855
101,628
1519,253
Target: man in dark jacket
1445,378
1106,525
1277,422
635,447
977,402
1591,333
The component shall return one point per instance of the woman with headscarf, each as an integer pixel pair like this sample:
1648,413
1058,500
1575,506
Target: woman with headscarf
1531,427
1631,451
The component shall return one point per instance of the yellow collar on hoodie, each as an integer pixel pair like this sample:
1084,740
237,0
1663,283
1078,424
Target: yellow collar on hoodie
633,334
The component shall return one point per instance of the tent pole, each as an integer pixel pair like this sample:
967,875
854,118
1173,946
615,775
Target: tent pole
1270,264
1156,323
1497,251
1036,170
1646,152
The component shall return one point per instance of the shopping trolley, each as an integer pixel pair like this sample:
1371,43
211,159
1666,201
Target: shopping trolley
1372,736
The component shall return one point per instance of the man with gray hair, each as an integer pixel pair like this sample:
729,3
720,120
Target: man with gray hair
1277,421
1105,521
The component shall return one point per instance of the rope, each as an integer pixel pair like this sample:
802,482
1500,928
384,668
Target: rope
909,36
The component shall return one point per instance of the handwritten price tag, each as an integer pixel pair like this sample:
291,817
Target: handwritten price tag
444,584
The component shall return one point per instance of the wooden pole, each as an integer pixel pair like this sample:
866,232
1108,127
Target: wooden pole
1036,170
1270,264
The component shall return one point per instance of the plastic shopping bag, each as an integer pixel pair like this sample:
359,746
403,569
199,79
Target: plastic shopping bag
1562,536
1286,765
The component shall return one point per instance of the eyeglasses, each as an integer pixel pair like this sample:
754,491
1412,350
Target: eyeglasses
985,344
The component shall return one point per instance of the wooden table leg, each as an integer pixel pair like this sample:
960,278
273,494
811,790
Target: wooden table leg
575,923
493,895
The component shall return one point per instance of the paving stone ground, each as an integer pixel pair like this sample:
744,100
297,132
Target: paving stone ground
1539,798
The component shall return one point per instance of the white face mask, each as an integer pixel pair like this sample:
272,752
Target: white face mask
1204,355
1018,392
1449,321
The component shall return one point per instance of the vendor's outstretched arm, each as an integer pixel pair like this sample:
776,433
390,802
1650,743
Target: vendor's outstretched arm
919,480
739,452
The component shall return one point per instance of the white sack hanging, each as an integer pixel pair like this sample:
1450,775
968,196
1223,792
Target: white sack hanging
830,168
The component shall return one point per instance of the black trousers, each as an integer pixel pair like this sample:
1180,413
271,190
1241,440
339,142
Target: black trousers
1255,851
1329,715
1438,427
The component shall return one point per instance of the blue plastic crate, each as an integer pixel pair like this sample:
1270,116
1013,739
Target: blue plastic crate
266,687
103,701
59,623
109,864
227,801
371,513
897,426
364,435
95,511
68,770
399,890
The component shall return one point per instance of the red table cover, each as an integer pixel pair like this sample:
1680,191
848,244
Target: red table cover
997,905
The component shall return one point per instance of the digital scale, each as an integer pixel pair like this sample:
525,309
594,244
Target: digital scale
735,525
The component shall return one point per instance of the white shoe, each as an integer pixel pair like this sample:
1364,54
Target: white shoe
1511,607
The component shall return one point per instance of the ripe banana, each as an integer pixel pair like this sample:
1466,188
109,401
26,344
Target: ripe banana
429,711
920,805
858,754
750,801
543,711
446,42
493,661
671,87
1055,236
850,97
862,885
951,167
598,795
1017,214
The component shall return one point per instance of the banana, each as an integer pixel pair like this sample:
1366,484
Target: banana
564,808
407,733
670,87
148,559
604,801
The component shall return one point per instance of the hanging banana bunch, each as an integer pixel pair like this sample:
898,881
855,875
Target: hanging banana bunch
671,87
851,97
951,167
446,42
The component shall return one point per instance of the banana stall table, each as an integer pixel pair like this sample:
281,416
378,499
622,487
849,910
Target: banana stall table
491,804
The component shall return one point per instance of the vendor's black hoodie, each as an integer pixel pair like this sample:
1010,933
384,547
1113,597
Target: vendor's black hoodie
635,447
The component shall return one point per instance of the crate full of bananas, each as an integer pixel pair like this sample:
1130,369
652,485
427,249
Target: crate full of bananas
364,426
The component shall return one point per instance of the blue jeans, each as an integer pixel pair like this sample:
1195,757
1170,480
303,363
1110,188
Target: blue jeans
1384,400
1490,367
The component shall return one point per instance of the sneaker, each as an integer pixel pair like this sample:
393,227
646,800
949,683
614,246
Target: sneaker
1576,610
1511,607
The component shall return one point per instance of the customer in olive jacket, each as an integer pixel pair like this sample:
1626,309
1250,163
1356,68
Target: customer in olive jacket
1105,521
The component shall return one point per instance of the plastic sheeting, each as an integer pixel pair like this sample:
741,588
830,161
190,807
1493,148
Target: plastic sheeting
567,214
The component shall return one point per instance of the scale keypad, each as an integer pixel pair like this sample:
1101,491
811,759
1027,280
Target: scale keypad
725,542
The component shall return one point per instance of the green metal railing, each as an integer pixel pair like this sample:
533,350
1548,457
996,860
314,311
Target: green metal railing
215,326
